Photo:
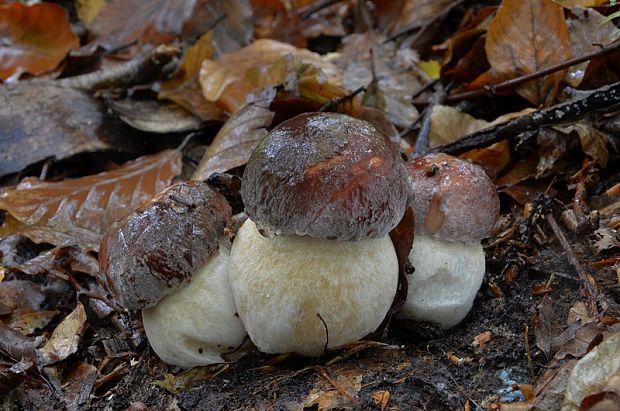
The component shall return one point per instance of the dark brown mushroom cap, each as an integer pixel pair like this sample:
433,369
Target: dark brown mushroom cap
325,175
454,199
156,249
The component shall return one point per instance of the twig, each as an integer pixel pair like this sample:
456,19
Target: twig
131,72
410,27
326,332
421,143
323,373
588,288
526,339
600,99
428,86
491,90
333,103
309,10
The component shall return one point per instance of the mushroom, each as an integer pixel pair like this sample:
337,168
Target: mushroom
313,267
455,206
170,259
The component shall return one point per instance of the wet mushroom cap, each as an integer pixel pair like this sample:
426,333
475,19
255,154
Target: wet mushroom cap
325,175
157,248
454,199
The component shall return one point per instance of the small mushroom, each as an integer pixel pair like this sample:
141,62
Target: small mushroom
455,206
170,258
313,267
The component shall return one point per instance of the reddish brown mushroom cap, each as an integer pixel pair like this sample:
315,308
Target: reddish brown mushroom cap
454,199
328,176
156,249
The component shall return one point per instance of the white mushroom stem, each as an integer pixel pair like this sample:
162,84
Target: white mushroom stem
299,293
197,324
445,282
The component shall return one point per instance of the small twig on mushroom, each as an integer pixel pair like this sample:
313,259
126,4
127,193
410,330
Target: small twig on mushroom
601,99
326,331
131,72
323,373
588,287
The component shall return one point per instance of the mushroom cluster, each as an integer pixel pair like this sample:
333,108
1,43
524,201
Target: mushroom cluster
169,258
455,206
313,267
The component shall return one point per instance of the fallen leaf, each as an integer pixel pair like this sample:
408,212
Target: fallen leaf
393,16
482,339
582,3
547,326
587,35
65,337
381,399
234,143
606,239
21,295
87,206
183,87
525,37
122,22
326,396
8,378
278,20
230,79
53,122
551,147
88,9
78,385
28,322
155,116
593,142
33,39
183,381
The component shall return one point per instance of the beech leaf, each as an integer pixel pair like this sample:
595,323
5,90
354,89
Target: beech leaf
526,36
86,206
65,338
237,138
33,39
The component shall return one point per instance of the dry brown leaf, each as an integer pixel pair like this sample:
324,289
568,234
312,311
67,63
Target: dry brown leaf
122,22
381,399
393,16
482,339
582,3
34,38
184,89
593,142
327,397
278,20
77,386
527,36
65,338
234,143
87,206
587,35
28,322
183,381
229,80
154,116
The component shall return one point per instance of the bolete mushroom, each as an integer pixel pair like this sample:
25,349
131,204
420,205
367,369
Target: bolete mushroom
455,206
313,267
170,259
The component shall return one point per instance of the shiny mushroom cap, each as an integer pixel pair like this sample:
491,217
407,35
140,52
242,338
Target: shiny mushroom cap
325,175
454,199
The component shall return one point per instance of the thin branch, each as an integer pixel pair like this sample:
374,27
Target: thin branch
491,90
132,72
323,373
588,287
333,103
600,99
326,332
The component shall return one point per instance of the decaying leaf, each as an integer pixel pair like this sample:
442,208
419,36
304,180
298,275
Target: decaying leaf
606,239
236,140
184,89
33,39
525,37
593,142
328,396
87,206
183,382
78,386
65,338
155,116
393,16
230,79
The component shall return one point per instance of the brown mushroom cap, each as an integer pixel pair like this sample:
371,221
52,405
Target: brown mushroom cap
454,199
157,248
325,175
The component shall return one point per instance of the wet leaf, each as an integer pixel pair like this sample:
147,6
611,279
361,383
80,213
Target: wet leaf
183,381
593,142
78,386
86,206
33,39
184,89
122,22
229,80
28,322
17,346
552,146
587,35
278,20
155,116
606,239
65,338
525,37
393,16
234,143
